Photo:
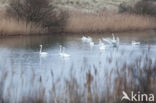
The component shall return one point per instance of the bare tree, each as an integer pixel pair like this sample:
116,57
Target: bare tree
41,12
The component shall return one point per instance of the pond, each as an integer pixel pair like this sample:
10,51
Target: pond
22,68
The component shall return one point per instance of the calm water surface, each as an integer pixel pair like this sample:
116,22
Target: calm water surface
24,51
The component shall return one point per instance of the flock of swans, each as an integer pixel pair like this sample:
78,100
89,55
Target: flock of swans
114,41
61,53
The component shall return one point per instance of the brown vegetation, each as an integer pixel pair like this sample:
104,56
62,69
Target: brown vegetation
108,22
130,77
25,17
9,27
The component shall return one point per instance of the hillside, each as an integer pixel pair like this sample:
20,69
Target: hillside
85,5
93,5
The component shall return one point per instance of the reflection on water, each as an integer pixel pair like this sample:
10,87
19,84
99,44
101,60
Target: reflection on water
25,69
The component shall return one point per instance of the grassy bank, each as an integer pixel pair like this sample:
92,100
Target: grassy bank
108,22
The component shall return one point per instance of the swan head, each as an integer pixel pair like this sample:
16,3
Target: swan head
63,48
60,46
40,45
100,41
112,34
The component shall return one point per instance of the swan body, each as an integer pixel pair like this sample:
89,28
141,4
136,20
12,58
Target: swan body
42,53
114,41
101,45
62,54
89,39
107,40
135,43
86,39
91,44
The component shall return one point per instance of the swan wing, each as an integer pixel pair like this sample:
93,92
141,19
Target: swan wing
107,40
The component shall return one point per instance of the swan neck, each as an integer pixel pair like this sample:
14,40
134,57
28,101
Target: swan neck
41,49
63,50
60,49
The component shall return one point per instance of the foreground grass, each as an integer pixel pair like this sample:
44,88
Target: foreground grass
108,22
20,86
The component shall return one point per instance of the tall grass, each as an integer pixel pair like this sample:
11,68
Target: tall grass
79,22
108,22
28,86
13,27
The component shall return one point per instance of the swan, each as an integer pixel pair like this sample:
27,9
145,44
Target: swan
101,45
107,40
62,54
42,53
89,39
118,40
86,39
135,43
115,41
91,44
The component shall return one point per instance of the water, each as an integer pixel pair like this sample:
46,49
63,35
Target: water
20,59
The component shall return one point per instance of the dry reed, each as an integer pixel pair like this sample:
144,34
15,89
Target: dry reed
108,22
14,27
134,77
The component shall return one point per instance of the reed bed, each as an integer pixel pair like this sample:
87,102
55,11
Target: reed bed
10,26
19,85
108,22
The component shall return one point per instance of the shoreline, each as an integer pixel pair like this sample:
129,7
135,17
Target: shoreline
80,33
115,31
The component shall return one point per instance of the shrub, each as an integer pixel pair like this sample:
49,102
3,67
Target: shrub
125,7
41,12
146,7
142,7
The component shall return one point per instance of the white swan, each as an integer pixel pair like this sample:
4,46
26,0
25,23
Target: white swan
86,39
91,44
89,39
115,41
62,54
101,45
135,43
107,40
42,53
